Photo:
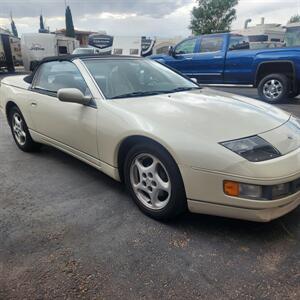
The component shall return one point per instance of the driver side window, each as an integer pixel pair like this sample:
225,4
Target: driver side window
186,47
56,75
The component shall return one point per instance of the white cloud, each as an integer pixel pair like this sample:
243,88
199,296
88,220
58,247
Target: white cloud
136,17
274,11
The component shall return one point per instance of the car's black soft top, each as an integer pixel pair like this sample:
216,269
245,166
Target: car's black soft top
71,57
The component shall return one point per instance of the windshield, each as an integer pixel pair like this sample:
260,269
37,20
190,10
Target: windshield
125,78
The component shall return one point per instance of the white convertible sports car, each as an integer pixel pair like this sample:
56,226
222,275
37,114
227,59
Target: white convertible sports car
175,145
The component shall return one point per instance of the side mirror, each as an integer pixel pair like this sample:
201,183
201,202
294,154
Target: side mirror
73,96
171,51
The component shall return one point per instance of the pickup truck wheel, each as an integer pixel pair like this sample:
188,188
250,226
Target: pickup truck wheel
274,88
20,131
154,181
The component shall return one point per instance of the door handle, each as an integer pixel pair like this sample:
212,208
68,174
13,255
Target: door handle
218,56
33,104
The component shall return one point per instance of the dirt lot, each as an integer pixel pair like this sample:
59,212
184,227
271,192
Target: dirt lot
68,231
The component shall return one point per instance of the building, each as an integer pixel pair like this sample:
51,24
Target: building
81,35
122,45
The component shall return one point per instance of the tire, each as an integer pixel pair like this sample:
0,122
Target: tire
20,131
293,94
156,185
274,88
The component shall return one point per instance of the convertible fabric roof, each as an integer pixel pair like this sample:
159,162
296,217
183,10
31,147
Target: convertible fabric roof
71,57
84,56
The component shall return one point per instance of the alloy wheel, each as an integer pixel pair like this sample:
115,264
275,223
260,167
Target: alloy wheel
18,129
150,181
273,89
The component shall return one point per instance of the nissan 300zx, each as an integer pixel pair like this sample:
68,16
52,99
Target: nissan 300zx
175,145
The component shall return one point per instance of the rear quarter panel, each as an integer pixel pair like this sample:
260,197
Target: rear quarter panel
281,54
242,65
15,89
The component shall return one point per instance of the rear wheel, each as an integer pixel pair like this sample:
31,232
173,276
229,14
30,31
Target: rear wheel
20,131
274,88
154,182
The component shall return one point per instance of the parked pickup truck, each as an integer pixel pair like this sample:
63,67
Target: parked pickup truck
228,59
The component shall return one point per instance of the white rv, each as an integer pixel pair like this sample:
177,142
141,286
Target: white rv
36,46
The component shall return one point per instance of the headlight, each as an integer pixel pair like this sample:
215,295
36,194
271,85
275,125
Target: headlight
253,148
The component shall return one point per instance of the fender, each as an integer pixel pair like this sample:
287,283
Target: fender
261,64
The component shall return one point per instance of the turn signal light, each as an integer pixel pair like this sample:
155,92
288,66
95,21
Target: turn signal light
259,192
243,190
231,188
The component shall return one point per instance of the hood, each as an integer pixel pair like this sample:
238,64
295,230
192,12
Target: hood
212,115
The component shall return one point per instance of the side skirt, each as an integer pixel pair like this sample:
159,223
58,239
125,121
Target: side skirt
109,170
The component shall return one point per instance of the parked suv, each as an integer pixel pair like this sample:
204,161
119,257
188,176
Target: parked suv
228,59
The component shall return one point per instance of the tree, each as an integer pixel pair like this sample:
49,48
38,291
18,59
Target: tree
42,26
70,32
14,27
294,19
212,16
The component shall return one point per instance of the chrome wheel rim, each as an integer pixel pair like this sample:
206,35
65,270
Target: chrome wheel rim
150,181
273,89
18,129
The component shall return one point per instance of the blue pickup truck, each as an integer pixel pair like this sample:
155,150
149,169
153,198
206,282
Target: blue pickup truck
228,59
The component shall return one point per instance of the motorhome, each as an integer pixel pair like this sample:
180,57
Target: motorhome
36,46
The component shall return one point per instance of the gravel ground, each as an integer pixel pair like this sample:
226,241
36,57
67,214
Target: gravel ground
68,232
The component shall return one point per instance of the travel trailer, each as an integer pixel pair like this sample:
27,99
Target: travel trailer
36,46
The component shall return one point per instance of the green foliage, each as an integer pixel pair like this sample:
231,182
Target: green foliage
42,27
14,28
70,32
212,16
294,19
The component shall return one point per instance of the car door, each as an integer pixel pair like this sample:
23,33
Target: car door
182,59
210,59
69,125
239,61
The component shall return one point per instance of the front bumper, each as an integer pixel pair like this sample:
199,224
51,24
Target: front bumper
205,195
257,215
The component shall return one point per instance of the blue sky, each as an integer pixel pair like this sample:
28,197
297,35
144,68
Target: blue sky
134,17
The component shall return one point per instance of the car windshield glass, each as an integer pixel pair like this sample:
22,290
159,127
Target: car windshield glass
127,78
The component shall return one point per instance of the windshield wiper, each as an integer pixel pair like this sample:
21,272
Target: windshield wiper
182,89
151,93
137,94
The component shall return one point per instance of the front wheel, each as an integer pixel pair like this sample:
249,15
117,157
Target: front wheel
274,88
154,181
20,131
